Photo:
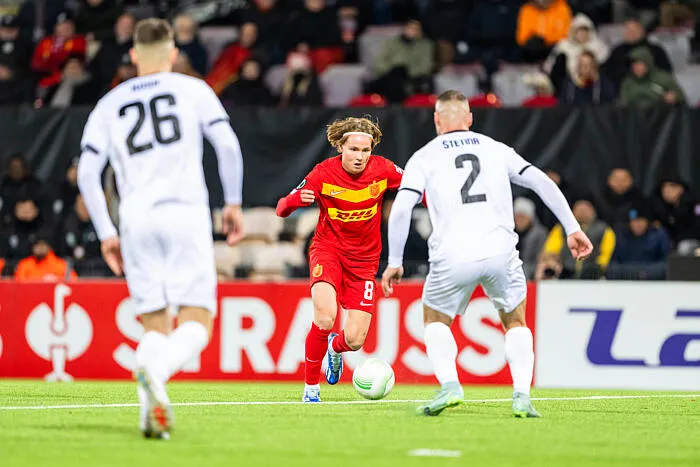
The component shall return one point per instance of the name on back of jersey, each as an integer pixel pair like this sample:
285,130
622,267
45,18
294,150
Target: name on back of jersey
457,143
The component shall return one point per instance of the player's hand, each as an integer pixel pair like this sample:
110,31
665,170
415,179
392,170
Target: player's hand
580,245
112,253
307,196
232,218
390,278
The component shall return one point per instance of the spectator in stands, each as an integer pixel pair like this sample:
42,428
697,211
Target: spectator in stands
52,52
587,86
17,182
404,65
183,65
249,88
187,41
350,29
43,264
490,33
679,13
37,18
677,209
618,65
416,252
531,234
67,191
618,197
544,91
225,69
269,17
96,19
571,193
548,267
601,235
26,222
564,61
75,88
316,27
647,85
125,71
80,242
301,86
104,64
541,24
444,23
15,53
640,250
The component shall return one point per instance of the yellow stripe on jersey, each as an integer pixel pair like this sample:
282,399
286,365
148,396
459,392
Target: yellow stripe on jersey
352,216
355,196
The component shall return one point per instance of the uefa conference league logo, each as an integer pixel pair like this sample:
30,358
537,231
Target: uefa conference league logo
58,334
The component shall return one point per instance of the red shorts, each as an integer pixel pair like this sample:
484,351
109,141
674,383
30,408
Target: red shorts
354,283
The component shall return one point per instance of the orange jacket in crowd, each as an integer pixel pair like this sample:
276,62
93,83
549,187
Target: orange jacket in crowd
551,24
225,69
51,268
50,55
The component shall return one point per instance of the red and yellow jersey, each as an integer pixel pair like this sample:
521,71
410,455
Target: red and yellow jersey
350,205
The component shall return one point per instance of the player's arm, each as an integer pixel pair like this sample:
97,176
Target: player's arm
93,159
303,195
525,174
217,129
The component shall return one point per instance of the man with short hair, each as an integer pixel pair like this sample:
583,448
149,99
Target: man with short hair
466,178
151,129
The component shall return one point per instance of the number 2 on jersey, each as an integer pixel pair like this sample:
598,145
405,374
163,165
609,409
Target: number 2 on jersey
157,121
476,169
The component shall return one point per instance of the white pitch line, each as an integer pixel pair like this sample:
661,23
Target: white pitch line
389,401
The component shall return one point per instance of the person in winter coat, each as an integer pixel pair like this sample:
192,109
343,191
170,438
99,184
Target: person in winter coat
564,59
647,85
588,86
618,197
677,209
249,88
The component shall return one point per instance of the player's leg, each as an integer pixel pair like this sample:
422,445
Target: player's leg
446,293
506,286
323,296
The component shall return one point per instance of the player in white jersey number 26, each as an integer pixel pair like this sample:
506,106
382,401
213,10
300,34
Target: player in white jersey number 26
151,131
466,179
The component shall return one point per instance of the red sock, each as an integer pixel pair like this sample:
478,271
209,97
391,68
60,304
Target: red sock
316,348
339,345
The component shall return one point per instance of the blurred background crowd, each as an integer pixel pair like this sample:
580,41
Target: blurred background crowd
365,53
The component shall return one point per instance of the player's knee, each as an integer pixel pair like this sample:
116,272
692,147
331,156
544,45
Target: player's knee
355,340
324,320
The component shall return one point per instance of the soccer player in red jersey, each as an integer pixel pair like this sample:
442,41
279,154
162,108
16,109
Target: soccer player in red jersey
344,253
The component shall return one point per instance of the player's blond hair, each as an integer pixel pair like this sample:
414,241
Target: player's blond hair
337,132
153,39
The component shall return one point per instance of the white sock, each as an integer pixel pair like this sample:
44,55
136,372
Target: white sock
521,358
150,346
312,386
184,343
442,352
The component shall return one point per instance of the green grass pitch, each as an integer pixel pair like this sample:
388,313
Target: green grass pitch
652,430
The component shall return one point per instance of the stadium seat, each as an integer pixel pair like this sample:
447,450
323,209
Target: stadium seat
262,224
676,43
509,85
268,264
274,78
689,80
142,11
306,223
227,258
368,100
420,100
341,83
216,38
291,253
463,78
370,43
489,100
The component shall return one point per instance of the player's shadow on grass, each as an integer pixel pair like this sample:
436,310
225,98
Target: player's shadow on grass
102,428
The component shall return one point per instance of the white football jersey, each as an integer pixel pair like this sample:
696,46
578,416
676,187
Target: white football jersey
152,128
466,180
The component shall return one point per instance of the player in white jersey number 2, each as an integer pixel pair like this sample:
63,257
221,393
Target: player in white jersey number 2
466,179
151,130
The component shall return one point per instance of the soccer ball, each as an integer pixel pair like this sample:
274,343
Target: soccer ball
373,379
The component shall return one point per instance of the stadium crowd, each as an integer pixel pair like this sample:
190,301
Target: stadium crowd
61,53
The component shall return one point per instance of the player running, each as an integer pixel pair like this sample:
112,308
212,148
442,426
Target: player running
344,253
151,128
466,177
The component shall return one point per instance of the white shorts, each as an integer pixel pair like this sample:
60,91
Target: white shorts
169,258
449,286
